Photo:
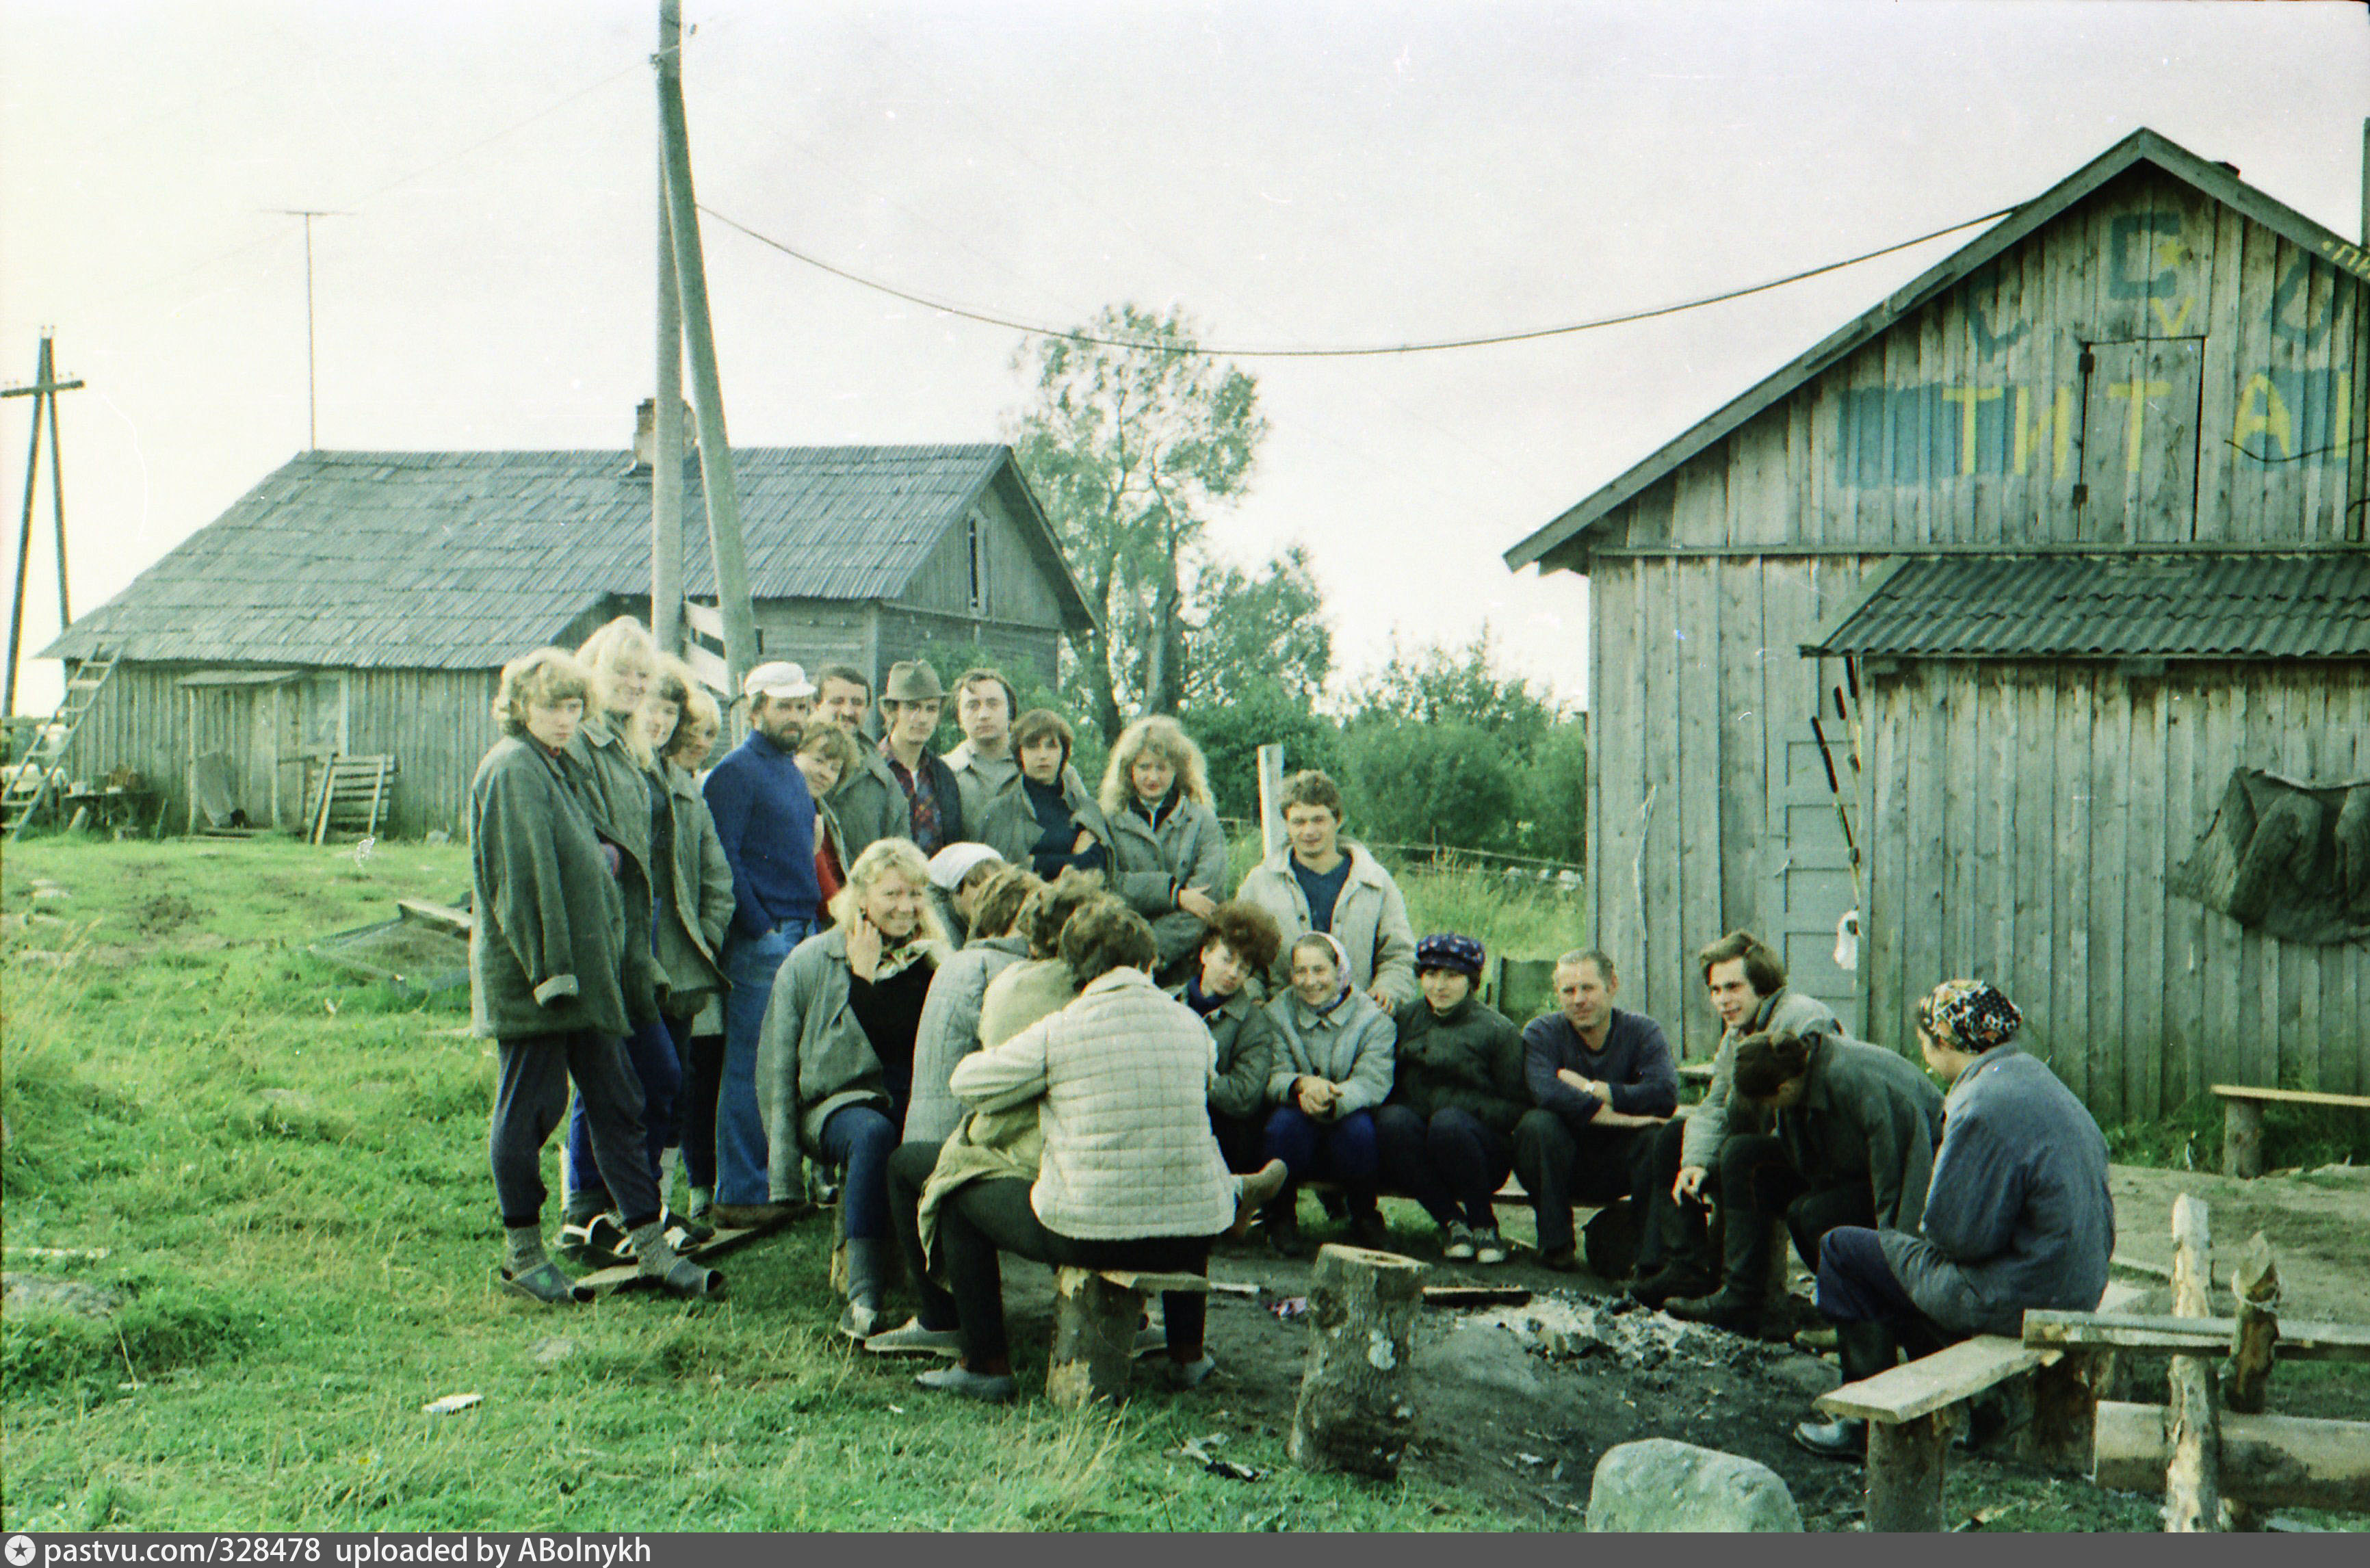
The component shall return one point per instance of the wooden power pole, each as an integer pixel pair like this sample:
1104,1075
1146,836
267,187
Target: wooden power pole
699,333
666,458
43,391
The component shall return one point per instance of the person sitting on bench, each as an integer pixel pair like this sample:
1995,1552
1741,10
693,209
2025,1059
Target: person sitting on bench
1747,984
1603,1080
1241,942
1854,1145
1332,1067
1446,1132
1130,1176
2018,1213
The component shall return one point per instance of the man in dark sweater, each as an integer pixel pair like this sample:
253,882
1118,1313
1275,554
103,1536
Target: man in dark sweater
765,819
1603,1080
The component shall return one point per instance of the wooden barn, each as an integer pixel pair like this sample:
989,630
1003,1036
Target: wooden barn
362,604
2053,542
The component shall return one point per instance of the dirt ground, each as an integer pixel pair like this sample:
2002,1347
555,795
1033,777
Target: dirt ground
1517,1404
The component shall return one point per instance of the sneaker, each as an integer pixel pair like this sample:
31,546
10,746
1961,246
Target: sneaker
1456,1241
910,1338
1488,1247
600,1242
970,1385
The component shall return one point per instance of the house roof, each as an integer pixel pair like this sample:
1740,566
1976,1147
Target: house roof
459,560
1556,546
2188,606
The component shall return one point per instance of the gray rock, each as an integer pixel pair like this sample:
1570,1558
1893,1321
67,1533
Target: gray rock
550,1351
33,1293
1808,1373
1660,1485
1483,1354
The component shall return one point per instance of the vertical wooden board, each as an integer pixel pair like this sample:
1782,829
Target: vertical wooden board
1657,661
1699,499
1616,758
1881,923
1922,338
1744,836
2259,954
2311,709
2345,973
2353,524
2308,492
2034,845
2218,743
2141,969
2109,788
1993,775
1927,757
1943,342
2187,806
2070,1045
1805,473
2218,400
1698,702
1956,825
2255,486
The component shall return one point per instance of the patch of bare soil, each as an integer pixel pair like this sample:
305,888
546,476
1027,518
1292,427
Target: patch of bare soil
2319,1227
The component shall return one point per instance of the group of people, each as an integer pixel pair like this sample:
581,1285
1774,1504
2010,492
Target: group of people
999,1012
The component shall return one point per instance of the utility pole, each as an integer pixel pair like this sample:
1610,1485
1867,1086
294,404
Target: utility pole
43,391
312,409
666,461
707,389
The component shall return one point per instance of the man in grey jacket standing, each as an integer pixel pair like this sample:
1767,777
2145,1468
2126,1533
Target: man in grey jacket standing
2017,1215
983,764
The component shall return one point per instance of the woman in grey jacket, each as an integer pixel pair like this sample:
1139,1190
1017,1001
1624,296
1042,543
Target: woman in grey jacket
950,1027
1333,1063
1241,942
1167,852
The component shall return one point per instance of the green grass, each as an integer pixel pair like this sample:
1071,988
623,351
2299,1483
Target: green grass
287,1166
2294,1136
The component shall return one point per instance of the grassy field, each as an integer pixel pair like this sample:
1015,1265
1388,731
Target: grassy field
286,1166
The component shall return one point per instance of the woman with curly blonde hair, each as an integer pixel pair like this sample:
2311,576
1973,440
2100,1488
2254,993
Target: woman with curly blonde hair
1167,852
835,1055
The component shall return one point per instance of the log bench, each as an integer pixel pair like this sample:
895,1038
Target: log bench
2242,1120
1910,1415
1096,1314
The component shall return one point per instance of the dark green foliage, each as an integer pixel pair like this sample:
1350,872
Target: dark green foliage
2294,1136
1254,629
1263,714
1447,781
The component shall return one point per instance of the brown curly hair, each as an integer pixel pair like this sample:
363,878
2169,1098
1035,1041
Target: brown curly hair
1104,935
1048,909
1001,899
1249,932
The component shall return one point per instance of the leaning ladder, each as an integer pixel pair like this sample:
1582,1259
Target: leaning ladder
27,791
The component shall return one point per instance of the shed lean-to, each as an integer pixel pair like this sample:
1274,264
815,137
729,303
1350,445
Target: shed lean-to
360,603
2150,366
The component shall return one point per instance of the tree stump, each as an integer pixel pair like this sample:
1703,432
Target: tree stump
2254,1342
1355,1412
2066,1398
1094,1338
2242,1137
1905,1472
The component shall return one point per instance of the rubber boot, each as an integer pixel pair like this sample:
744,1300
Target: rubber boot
1281,1220
867,1266
1866,1350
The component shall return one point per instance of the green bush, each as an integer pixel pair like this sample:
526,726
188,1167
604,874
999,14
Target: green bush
1451,782
1231,736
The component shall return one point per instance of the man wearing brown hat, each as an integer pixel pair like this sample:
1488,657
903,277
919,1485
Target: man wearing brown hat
904,791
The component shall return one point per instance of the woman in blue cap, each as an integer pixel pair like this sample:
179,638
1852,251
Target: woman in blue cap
1446,1133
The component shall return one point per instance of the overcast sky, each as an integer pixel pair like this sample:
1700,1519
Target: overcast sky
1289,172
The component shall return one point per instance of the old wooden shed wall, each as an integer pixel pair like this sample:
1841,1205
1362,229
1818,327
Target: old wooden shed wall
2222,406
2023,816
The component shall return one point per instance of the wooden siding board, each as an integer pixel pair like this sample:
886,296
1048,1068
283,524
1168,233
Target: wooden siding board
2185,813
2036,786
2070,1050
1657,661
1922,944
1745,839
1618,761
1698,700
2144,906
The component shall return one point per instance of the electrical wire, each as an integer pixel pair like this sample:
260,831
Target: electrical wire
1257,352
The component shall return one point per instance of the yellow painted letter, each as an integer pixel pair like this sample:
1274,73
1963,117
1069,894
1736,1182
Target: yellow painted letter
2273,417
2032,429
2139,392
1971,398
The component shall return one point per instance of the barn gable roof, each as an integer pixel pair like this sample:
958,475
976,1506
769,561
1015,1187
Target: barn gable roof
2183,606
457,560
1557,545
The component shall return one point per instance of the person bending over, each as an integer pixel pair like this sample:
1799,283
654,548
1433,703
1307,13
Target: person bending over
950,1027
545,982
1332,1067
1855,1126
835,1055
1240,941
2018,1213
1603,1080
1457,1093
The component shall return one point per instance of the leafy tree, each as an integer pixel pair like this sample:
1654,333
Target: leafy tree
1262,713
1555,805
1437,684
1451,782
1248,629
1130,449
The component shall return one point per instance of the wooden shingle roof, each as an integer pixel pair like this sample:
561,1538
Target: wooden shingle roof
461,559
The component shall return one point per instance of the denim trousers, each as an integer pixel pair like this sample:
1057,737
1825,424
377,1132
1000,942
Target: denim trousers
748,966
653,1052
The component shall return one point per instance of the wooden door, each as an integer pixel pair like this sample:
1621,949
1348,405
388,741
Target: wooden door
2139,441
1812,888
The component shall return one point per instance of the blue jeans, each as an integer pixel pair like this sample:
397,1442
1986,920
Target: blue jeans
652,1050
861,1139
749,967
1342,1151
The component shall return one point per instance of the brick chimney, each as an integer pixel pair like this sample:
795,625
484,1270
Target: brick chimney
645,434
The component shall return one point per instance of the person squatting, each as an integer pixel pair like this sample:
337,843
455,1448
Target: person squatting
980,1009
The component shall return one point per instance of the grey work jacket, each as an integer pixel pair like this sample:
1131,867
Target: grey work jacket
1148,866
551,924
812,1058
949,1031
1866,1113
1709,1124
691,945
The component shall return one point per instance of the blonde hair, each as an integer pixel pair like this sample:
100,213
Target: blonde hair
624,643
700,709
880,857
1154,732
544,678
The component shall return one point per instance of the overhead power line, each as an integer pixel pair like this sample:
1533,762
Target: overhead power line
1236,353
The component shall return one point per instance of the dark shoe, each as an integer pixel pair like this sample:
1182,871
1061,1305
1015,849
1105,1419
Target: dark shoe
1727,1308
1563,1260
1336,1206
1369,1230
599,1243
1284,1239
546,1284
686,1281
969,1384
755,1216
911,1338
1674,1281
1846,1437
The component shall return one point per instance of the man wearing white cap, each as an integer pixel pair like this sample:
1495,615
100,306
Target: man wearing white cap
766,817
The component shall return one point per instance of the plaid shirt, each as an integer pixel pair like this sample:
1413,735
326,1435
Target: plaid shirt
922,798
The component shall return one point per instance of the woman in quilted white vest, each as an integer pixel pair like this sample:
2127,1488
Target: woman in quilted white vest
1130,1176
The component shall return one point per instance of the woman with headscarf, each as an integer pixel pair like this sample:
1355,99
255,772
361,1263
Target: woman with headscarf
1333,1066
1168,853
1446,1133
2017,1213
835,1056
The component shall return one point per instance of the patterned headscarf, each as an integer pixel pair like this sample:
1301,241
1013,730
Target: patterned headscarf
1969,1015
1449,950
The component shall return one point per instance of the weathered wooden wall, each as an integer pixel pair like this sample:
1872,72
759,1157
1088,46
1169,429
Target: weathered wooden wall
2023,818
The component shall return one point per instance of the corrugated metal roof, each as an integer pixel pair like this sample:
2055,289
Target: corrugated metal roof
455,560
2293,607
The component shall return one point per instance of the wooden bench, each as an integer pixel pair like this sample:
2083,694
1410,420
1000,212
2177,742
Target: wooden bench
1096,1314
1909,1415
2242,1120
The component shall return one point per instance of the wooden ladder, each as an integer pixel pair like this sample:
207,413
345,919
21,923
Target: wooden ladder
41,772
350,796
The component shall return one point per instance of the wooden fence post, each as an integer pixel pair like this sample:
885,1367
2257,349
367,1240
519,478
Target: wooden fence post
2255,1281
1270,786
2193,1488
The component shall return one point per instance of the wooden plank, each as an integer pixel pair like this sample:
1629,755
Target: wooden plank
1922,908
708,668
1997,768
2183,918
2163,1336
2069,1037
2141,970
1745,840
2291,1096
2221,378
441,916
2193,1486
2273,1461
2109,787
1934,1382
1956,829
2036,804
1662,966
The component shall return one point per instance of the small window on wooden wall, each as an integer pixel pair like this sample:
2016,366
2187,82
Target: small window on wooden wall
975,542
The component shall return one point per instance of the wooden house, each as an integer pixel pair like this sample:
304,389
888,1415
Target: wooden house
363,603
2051,541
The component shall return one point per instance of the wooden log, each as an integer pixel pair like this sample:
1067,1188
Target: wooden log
1905,1472
1094,1338
2298,1341
2066,1398
2266,1460
2255,1334
2242,1137
2192,1492
1355,1411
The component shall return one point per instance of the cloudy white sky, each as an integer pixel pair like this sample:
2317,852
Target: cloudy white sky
1290,172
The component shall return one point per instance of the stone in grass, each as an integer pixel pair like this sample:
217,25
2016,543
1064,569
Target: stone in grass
549,1351
33,1293
1660,1485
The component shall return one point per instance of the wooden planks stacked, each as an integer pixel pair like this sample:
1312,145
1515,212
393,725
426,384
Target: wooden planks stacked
350,795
